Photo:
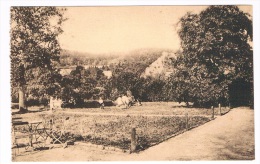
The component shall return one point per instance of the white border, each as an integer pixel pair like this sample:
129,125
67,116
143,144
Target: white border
5,124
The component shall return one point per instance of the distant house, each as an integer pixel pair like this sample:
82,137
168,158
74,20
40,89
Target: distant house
65,71
55,103
108,74
87,66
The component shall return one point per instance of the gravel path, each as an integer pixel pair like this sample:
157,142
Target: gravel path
229,137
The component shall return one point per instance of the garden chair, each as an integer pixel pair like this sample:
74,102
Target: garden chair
19,139
58,135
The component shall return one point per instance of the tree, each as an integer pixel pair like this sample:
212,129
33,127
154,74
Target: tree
154,90
35,48
123,82
215,52
97,75
83,84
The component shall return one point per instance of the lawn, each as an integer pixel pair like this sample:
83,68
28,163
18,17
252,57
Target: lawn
154,123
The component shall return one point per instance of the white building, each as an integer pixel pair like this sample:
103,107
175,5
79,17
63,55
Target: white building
55,103
108,74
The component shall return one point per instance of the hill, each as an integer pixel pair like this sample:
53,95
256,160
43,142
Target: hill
162,67
135,61
72,58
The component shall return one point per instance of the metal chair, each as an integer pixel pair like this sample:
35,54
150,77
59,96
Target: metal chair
17,136
57,135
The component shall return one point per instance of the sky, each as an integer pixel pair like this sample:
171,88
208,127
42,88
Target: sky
121,29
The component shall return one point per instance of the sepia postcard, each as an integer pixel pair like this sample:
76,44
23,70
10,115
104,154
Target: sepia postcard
131,83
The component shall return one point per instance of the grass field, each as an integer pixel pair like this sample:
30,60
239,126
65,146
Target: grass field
154,123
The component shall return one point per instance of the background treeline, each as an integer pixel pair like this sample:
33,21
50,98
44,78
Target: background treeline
90,83
141,57
213,65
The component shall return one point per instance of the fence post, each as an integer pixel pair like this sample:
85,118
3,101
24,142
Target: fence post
133,141
212,107
219,106
30,136
187,121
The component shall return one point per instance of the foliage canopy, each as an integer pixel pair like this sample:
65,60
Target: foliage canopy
215,52
35,48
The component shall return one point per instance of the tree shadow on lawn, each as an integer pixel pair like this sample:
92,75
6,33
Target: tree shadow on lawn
180,106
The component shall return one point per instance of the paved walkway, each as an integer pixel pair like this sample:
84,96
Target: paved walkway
229,137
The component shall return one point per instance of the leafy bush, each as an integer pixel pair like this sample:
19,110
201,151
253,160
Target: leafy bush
37,102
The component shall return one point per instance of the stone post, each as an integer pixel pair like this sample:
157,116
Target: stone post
187,121
212,107
133,140
219,106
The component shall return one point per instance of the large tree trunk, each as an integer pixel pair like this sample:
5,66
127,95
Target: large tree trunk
22,106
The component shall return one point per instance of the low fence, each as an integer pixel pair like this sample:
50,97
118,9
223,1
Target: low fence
126,131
